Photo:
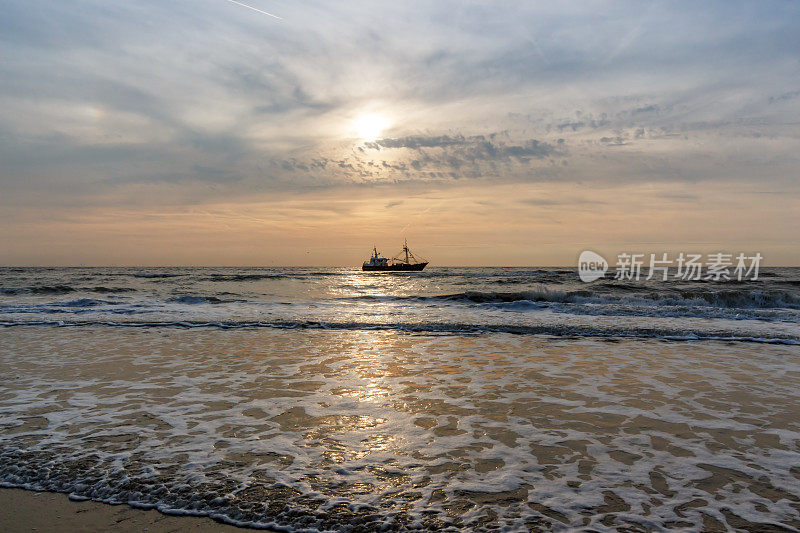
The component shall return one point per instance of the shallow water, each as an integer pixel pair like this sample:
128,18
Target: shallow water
357,428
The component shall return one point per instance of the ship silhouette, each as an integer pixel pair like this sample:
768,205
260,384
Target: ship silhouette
402,262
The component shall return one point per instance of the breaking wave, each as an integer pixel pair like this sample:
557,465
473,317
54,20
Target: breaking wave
565,331
738,299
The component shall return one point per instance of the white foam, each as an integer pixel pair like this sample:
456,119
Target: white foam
346,408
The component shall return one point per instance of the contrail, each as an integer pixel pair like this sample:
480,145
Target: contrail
254,9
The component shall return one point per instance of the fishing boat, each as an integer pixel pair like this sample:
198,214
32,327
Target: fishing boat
402,262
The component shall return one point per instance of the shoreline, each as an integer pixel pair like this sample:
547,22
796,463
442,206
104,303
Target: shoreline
29,510
331,429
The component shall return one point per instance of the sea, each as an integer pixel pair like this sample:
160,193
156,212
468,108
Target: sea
481,399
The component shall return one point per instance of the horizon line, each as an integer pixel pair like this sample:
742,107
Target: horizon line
644,267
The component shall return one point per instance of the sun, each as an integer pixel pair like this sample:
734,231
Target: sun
370,127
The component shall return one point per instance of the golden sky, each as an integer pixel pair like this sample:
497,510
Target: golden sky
205,133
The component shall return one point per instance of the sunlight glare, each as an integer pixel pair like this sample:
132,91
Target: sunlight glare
370,127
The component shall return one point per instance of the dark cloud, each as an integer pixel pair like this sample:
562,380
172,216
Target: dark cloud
574,126
652,108
790,95
415,142
428,158
473,148
618,140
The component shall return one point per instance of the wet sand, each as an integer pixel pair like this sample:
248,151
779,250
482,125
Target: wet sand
43,512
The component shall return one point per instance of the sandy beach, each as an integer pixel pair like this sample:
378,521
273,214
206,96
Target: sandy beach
46,512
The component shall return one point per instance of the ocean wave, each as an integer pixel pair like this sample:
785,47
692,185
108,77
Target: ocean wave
561,331
745,298
62,289
154,275
111,290
527,281
38,289
732,299
188,299
535,295
242,277
81,302
74,307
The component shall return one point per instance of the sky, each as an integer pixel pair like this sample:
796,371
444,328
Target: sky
202,132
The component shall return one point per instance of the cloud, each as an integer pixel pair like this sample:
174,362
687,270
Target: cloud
473,148
98,96
790,95
560,202
417,141
619,140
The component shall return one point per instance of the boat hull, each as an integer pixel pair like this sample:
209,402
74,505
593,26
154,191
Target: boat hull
399,267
